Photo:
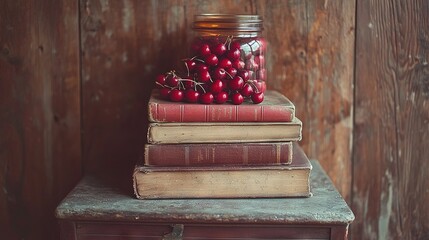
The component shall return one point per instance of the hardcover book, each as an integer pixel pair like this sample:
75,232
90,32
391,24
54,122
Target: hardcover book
275,108
225,182
234,132
167,155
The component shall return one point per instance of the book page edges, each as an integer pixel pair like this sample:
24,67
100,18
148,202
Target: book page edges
166,185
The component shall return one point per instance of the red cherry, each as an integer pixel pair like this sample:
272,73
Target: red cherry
233,54
206,98
257,97
204,76
260,60
224,63
260,86
173,81
244,74
221,97
190,64
247,90
161,80
191,96
237,64
211,60
219,73
234,45
251,65
165,93
204,50
201,66
236,83
188,84
176,95
216,86
231,72
237,98
219,49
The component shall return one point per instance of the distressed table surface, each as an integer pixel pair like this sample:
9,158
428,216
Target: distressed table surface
96,201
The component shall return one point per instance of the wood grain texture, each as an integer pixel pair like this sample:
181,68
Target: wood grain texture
39,114
391,168
125,44
316,75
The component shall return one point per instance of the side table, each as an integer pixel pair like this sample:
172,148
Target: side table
96,210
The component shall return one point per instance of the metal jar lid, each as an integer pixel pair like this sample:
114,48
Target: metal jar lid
228,22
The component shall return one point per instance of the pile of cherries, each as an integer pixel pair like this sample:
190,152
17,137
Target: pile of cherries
222,70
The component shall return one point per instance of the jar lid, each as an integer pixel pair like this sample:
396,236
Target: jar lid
242,23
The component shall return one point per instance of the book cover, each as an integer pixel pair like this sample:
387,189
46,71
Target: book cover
225,182
275,108
234,132
167,155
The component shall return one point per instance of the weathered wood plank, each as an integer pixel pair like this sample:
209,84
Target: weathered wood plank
392,121
39,114
311,61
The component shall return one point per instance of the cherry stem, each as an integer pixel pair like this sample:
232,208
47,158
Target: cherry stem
250,82
229,74
199,84
199,60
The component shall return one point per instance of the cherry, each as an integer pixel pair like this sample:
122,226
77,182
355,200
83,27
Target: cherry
237,98
233,54
234,45
201,66
221,97
206,98
247,90
164,92
251,65
238,64
219,73
176,95
196,45
161,80
188,84
204,76
244,74
236,83
224,63
216,86
257,97
192,96
219,49
260,86
231,72
259,60
211,59
204,50
173,81
190,64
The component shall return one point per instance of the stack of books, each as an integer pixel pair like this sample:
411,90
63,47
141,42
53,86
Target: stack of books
223,151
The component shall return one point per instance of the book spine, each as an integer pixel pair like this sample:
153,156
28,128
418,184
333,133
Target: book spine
217,154
165,112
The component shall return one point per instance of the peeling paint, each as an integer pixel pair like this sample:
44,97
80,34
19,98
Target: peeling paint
104,5
128,16
385,208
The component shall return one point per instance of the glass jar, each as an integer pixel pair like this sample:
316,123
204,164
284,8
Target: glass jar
233,43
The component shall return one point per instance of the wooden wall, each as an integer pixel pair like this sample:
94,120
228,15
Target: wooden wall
75,77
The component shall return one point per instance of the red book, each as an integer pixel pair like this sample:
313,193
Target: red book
169,155
275,108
